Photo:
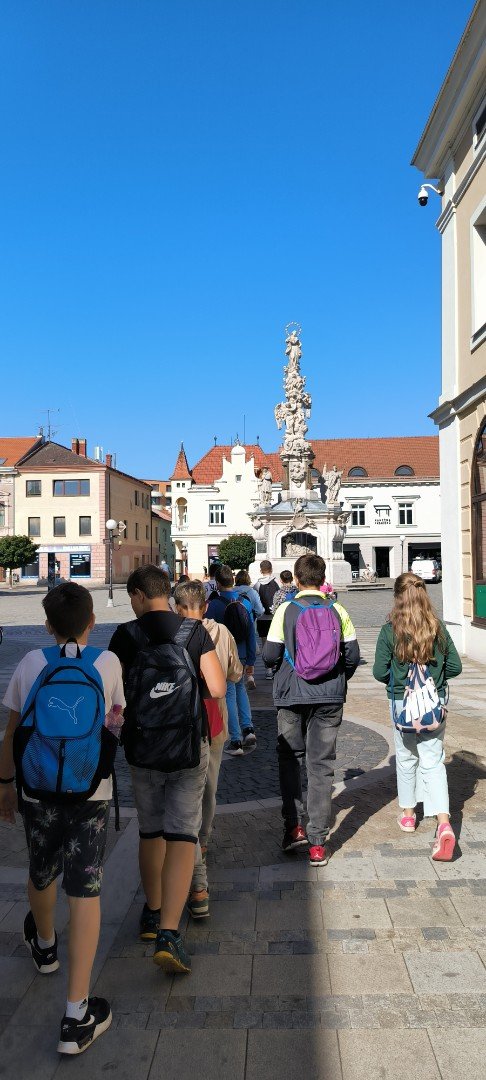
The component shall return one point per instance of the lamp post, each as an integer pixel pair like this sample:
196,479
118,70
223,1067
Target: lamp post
111,525
402,541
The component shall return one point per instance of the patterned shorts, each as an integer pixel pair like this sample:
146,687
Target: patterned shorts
68,840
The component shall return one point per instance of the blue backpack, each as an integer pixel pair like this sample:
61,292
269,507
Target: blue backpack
62,748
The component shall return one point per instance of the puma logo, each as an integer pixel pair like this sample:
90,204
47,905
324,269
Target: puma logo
161,689
56,703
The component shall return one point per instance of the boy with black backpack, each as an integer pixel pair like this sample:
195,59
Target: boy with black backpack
235,612
313,642
66,709
169,665
266,587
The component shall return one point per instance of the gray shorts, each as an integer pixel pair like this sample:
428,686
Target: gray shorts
170,804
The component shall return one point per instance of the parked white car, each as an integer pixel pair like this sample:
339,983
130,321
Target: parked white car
427,569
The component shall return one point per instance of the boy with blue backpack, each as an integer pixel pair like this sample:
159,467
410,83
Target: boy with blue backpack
312,643
66,710
228,606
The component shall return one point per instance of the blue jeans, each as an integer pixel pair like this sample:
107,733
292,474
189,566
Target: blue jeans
421,771
239,711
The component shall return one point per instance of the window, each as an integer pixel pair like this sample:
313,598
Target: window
31,569
33,487
404,470
405,514
156,534
479,526
137,499
2,515
136,530
478,242
85,526
358,514
70,487
146,532
479,126
357,470
34,526
59,526
216,513
80,565
238,478
125,534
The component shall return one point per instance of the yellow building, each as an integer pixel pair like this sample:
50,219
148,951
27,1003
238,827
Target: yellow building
452,153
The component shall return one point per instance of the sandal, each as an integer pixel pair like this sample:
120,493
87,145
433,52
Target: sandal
444,843
407,823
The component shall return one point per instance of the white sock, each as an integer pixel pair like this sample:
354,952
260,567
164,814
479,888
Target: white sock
46,943
76,1010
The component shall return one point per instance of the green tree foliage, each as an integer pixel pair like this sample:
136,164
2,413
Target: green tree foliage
237,551
16,551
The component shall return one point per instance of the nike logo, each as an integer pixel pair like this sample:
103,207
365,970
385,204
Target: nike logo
161,689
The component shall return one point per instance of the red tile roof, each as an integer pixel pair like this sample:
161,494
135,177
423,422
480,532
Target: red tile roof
13,449
379,457
181,468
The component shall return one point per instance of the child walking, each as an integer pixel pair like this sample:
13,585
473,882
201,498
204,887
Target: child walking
58,693
414,634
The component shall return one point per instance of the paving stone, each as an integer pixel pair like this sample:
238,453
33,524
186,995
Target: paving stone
232,914
341,869
422,913
387,1055
470,866
305,975
132,980
13,921
215,975
353,913
470,909
457,972
16,975
287,914
462,1053
387,974
221,1058
293,1054
413,868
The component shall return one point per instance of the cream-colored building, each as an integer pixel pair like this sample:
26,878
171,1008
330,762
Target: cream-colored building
452,153
63,500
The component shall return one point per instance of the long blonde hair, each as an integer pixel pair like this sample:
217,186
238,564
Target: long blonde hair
415,624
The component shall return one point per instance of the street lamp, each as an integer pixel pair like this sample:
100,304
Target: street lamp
402,541
111,525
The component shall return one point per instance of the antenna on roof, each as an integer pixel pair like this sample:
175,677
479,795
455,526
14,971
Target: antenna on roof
50,430
258,440
215,437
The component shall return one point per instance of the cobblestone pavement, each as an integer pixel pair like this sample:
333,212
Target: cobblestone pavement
371,968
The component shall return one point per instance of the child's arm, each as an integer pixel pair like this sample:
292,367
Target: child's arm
8,794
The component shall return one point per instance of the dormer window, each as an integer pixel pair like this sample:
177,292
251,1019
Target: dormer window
404,470
357,470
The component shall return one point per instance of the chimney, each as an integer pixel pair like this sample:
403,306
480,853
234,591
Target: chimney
108,461
82,447
75,446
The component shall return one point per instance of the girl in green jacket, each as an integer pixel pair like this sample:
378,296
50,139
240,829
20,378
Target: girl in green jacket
415,634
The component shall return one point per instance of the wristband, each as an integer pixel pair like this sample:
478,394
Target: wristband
7,781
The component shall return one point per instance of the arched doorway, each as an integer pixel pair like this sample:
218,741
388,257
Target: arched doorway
298,543
478,507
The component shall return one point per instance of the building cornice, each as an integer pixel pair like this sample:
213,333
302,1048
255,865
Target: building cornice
452,204
456,406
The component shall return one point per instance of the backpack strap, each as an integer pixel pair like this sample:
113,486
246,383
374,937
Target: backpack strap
185,632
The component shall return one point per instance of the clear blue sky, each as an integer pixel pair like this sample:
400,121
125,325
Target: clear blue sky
178,180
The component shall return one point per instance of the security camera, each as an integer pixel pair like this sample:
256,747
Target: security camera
423,197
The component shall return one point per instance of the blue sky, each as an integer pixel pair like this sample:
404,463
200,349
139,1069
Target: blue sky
180,180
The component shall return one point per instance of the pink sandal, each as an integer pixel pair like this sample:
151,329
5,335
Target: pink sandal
444,843
407,823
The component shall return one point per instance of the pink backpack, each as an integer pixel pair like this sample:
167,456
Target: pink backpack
317,640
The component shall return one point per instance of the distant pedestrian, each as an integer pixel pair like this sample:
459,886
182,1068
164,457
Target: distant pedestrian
165,567
266,587
235,612
243,586
286,591
210,586
312,642
415,656
191,604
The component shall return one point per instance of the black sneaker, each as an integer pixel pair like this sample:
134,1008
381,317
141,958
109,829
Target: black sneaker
249,738
170,953
234,748
45,960
149,923
77,1035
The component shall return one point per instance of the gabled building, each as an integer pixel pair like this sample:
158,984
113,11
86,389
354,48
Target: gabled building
63,500
12,450
452,153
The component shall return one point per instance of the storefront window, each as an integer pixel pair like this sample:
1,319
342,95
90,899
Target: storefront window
31,569
479,525
80,565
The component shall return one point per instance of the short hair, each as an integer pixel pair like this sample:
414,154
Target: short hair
212,569
224,576
266,566
150,580
242,578
310,570
286,577
190,594
68,609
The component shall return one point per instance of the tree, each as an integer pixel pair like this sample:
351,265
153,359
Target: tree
237,551
16,551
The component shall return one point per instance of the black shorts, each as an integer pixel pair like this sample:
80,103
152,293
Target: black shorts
68,840
263,626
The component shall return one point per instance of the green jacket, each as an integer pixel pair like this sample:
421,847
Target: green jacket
445,665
